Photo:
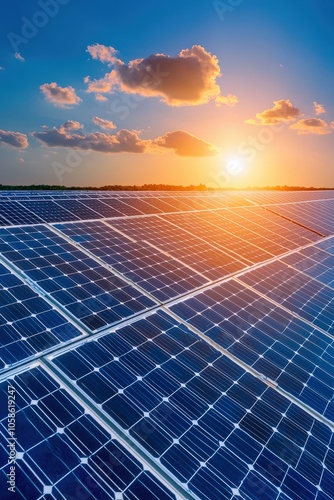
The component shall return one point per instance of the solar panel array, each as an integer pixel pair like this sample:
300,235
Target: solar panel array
167,345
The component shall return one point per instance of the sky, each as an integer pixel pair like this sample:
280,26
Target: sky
229,93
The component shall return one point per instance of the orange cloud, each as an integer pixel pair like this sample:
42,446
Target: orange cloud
126,141
229,100
188,79
282,111
104,124
311,126
185,144
14,139
62,97
103,53
319,108
100,98
71,125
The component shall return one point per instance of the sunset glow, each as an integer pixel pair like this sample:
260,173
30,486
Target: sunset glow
168,94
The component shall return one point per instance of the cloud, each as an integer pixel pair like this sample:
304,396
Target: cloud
104,124
62,97
103,53
185,144
18,56
311,126
123,141
14,139
126,141
2,68
319,108
282,111
187,79
332,124
71,125
100,98
229,100
20,160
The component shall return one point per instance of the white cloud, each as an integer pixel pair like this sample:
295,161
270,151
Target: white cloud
62,97
102,123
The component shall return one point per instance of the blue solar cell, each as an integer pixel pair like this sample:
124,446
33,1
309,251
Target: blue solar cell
202,413
294,354
29,324
205,421
62,450
118,299
139,261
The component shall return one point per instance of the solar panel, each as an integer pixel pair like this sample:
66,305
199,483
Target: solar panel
86,289
293,289
314,262
316,215
154,271
49,210
207,421
327,245
168,345
288,351
15,213
218,231
64,452
29,325
206,259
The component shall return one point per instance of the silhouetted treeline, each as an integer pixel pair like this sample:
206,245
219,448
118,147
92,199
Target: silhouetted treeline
152,187
116,187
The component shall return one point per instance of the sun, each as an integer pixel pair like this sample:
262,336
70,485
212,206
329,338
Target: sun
234,167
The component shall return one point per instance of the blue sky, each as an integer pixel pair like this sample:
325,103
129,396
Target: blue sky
266,52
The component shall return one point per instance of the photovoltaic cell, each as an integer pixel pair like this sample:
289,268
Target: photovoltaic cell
79,209
275,197
63,452
49,211
15,213
299,358
121,208
327,245
156,272
28,324
196,415
314,262
270,226
296,291
89,291
101,208
188,248
317,215
212,228
216,428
